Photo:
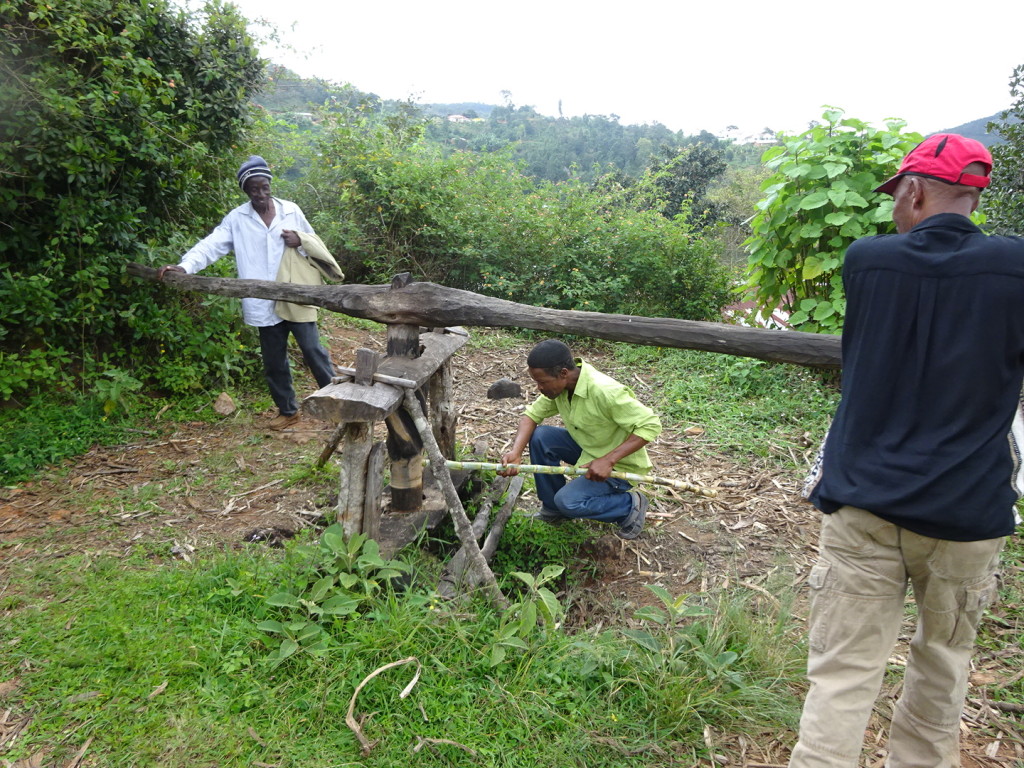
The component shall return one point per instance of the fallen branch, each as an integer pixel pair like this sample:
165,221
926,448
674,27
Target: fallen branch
424,742
1003,706
455,577
462,525
365,744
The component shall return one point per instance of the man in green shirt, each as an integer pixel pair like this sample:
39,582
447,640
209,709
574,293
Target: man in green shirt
606,429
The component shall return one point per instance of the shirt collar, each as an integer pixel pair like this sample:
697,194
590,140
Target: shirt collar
947,221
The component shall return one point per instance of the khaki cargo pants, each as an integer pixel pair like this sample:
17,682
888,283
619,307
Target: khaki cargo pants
858,593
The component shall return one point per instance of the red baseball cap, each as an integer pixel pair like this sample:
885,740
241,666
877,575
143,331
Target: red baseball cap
944,156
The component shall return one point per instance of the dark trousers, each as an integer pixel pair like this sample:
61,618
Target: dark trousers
277,371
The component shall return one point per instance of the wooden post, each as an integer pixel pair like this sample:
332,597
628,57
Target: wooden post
361,463
443,418
366,366
405,446
355,453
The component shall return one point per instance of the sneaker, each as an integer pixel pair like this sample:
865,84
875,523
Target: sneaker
283,421
634,522
550,516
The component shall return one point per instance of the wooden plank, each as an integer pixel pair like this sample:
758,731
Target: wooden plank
374,491
351,402
431,305
443,414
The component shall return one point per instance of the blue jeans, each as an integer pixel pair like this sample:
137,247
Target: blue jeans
608,502
276,369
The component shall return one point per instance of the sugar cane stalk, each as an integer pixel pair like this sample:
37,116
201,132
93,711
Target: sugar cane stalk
540,469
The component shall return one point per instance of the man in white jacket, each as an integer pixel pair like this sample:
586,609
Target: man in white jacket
258,232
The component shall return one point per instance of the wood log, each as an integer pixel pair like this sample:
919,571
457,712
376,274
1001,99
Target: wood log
405,446
431,305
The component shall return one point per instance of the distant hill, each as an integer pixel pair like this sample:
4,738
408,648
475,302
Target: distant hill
467,109
977,129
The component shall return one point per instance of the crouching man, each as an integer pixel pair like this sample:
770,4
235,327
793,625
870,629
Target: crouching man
606,429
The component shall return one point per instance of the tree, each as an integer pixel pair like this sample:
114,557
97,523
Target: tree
820,199
1004,200
119,123
685,175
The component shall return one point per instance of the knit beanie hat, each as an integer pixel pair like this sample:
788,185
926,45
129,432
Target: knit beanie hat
254,166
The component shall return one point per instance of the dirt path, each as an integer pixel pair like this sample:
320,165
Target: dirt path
182,489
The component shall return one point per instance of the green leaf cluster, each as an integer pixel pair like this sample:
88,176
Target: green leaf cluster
342,575
539,607
119,124
819,199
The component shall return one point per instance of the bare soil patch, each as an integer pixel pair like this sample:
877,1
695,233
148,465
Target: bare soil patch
184,489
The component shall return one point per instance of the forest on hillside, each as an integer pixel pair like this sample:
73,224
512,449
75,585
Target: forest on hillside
550,148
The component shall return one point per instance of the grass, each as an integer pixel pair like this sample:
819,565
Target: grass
161,663
164,666
747,408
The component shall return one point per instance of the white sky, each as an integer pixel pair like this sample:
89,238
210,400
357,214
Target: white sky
688,64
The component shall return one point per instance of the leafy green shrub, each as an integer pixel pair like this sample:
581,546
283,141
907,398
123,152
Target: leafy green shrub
819,200
342,576
120,123
539,607
1003,202
530,545
388,202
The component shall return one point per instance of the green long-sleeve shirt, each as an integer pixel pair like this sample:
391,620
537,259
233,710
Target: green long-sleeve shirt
601,414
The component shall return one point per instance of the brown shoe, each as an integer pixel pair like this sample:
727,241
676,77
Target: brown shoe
283,421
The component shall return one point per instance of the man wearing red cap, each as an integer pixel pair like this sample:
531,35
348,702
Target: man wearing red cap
920,470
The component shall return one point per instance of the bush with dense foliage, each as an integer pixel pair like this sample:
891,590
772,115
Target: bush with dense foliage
1004,199
388,201
119,125
819,200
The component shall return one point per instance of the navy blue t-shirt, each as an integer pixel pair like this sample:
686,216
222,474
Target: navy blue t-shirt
927,434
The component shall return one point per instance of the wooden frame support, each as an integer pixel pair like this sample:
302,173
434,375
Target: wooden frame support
443,417
356,445
405,446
